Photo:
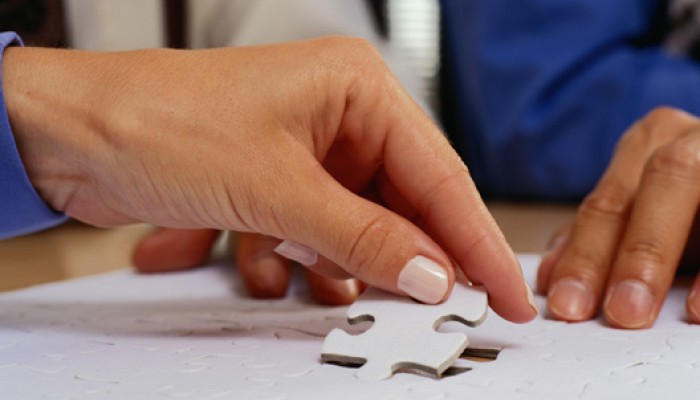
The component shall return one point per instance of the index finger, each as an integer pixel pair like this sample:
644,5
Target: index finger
425,169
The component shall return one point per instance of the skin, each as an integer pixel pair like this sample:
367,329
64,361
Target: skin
287,141
634,229
265,274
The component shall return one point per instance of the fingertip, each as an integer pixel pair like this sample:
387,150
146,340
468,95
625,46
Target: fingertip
361,286
551,257
693,305
332,292
531,302
522,316
266,276
173,249
526,314
544,271
630,304
147,251
509,295
570,299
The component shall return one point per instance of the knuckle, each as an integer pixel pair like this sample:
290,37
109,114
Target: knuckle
610,201
658,126
353,50
587,265
365,250
432,197
649,251
679,159
464,256
362,48
357,62
661,115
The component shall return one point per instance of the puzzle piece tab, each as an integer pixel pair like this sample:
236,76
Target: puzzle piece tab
403,335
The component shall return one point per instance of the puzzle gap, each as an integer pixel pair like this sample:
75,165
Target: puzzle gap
361,319
407,368
459,319
480,354
347,362
455,370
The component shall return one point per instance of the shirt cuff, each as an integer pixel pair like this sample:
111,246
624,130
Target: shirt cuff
22,210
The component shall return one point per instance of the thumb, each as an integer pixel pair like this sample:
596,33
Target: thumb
373,244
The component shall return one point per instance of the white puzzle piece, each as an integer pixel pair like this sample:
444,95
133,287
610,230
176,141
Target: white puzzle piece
403,335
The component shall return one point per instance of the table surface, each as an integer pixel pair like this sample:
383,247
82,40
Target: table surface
75,250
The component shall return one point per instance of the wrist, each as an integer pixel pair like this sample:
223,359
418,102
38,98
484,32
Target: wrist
48,104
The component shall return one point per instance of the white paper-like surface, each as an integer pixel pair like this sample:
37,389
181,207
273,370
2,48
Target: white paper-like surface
195,335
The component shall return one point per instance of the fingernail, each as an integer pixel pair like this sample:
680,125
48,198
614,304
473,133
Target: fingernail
570,299
531,300
630,304
530,295
297,252
424,280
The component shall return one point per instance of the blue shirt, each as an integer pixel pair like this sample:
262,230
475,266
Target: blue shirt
543,89
21,209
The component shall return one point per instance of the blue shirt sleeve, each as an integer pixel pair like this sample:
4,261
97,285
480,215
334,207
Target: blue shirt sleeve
21,209
545,88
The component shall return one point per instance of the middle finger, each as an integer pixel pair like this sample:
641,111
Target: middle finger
658,229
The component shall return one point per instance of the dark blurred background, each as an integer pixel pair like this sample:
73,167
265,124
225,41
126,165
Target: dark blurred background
39,22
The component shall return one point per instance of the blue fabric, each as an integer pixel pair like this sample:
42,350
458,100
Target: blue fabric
21,209
546,87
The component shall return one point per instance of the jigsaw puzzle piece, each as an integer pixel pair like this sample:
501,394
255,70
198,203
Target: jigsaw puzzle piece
403,335
378,355
466,304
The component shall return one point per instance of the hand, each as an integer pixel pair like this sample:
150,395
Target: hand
628,238
264,273
292,141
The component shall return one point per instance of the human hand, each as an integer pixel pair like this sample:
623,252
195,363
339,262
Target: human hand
264,273
628,238
313,142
